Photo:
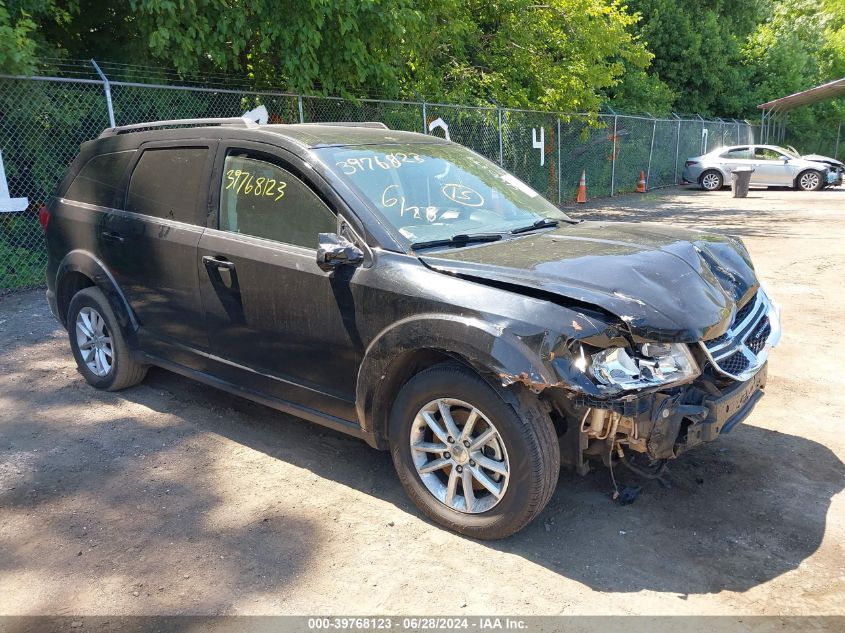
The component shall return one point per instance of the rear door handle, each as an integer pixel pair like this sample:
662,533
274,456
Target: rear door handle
112,237
208,260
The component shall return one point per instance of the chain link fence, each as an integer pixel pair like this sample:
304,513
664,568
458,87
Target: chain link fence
44,119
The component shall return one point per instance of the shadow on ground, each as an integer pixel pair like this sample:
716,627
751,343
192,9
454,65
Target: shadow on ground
741,511
131,510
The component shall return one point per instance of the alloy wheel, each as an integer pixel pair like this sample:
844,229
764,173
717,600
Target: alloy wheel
710,181
809,181
459,455
94,341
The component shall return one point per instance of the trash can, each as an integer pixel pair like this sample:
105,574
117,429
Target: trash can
740,179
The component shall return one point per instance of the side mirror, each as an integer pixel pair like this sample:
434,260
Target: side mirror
785,159
334,251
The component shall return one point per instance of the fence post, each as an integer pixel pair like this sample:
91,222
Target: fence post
838,135
425,119
613,166
677,147
650,152
560,171
301,113
107,90
501,147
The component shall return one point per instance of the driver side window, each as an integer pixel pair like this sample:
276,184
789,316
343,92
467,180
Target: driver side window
261,199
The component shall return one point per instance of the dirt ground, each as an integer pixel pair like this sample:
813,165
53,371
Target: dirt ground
174,498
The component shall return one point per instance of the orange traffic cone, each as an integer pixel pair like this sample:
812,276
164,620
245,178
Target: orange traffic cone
582,188
641,183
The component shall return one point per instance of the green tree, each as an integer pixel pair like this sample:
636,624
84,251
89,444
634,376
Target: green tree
558,54
696,49
17,48
335,46
23,25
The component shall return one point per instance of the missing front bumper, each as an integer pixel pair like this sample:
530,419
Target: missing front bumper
728,410
660,425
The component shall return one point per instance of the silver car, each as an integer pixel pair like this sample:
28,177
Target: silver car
773,167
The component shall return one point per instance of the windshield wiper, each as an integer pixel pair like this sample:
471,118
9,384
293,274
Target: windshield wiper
542,223
459,240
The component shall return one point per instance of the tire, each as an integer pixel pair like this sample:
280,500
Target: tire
711,180
810,180
113,373
524,441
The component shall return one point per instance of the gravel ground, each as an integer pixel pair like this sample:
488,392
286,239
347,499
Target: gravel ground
173,498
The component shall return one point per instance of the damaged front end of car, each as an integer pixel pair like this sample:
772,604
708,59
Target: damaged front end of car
668,347
652,401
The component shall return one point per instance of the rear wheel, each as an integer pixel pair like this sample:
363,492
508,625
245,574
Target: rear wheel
476,461
711,180
98,345
810,181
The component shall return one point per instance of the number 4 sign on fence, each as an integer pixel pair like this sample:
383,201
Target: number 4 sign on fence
541,144
7,204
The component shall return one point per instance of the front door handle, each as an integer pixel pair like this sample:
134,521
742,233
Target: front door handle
208,260
115,238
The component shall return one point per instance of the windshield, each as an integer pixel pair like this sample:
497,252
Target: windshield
435,192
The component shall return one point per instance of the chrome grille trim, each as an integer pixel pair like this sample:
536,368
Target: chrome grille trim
722,351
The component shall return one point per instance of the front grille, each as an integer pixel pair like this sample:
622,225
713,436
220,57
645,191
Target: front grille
719,339
758,338
736,363
742,350
745,310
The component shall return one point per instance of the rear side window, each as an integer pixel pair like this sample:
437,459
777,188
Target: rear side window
98,182
737,154
166,184
261,199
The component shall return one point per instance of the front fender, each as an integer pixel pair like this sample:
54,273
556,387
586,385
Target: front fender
500,352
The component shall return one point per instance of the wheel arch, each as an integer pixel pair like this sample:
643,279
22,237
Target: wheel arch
414,344
81,269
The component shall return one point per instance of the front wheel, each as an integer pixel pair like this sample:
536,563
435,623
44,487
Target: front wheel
810,181
476,461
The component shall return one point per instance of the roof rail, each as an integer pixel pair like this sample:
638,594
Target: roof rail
374,124
138,127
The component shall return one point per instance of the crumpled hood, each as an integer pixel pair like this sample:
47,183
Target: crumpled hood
666,283
823,159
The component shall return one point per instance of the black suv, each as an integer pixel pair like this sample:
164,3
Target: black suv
405,290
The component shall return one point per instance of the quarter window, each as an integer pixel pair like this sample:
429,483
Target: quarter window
167,183
261,199
98,181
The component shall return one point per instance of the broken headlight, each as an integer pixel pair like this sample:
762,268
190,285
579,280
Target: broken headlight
650,365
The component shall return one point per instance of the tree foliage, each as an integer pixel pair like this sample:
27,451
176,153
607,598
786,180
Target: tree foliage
559,54
696,47
17,46
718,58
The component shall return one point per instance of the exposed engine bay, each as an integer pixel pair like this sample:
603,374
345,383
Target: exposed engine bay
716,386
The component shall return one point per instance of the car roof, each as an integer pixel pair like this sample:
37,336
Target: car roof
308,135
727,148
314,136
